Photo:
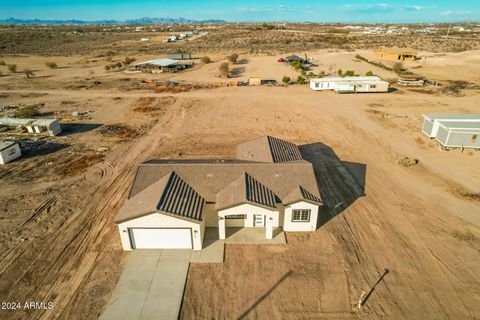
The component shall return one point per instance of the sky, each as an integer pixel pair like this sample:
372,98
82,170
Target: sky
249,10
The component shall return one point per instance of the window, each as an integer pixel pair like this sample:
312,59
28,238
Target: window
474,138
373,86
300,215
235,216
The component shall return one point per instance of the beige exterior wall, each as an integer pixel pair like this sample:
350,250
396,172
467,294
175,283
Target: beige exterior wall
289,225
158,220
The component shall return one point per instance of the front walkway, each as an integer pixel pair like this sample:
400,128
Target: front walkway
151,286
253,235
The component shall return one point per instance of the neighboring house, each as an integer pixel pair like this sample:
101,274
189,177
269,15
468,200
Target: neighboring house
158,66
51,126
350,84
395,53
453,130
171,202
294,57
9,151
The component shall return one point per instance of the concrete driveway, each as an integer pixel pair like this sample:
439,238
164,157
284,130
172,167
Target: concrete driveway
151,286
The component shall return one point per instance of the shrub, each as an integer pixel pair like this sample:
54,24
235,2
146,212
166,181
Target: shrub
297,65
349,73
233,58
51,65
301,79
107,67
2,63
129,60
27,112
12,68
286,79
205,60
28,73
398,67
408,162
340,72
369,74
224,69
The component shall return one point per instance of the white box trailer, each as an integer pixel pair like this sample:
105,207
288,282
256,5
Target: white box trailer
9,151
453,130
350,84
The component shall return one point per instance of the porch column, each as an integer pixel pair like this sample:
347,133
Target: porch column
269,226
221,227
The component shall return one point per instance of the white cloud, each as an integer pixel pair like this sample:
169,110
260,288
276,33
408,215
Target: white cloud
455,13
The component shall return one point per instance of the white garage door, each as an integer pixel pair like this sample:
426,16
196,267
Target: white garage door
161,238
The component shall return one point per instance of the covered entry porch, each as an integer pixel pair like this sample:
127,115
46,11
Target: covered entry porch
248,216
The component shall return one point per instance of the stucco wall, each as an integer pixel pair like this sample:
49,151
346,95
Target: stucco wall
158,220
288,225
249,210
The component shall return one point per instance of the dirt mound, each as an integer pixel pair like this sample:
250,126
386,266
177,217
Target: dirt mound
79,165
153,105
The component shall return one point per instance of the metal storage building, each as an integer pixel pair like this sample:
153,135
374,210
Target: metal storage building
350,84
453,131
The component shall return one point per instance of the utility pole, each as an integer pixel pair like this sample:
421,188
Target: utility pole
449,27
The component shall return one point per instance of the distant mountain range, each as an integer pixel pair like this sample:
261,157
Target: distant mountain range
145,20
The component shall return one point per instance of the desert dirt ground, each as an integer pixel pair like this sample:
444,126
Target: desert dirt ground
58,242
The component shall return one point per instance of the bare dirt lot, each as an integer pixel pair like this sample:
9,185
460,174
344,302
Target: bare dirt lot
58,242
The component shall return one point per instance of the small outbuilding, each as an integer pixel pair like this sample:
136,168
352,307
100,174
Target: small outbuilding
350,84
158,66
453,130
179,56
51,126
9,151
395,53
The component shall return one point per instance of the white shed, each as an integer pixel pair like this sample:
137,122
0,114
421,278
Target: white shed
9,151
453,130
350,84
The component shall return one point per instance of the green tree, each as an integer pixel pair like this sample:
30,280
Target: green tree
301,79
297,64
286,79
369,74
340,72
349,73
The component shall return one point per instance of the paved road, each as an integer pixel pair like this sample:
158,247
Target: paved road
151,286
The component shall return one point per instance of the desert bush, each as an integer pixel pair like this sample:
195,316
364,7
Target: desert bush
129,60
297,65
340,72
2,63
286,79
369,74
233,58
51,65
408,162
224,69
455,87
27,112
398,67
205,60
12,68
349,73
28,73
107,68
301,79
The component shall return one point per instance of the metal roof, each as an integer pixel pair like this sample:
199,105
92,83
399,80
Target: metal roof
245,189
447,117
24,122
346,79
5,144
300,194
159,62
268,149
461,125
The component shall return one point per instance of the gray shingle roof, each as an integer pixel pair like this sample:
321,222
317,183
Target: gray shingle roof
268,149
170,194
245,189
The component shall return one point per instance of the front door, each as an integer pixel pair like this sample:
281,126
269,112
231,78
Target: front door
259,220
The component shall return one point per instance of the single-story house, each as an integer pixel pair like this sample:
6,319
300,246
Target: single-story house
9,151
158,66
52,126
171,202
350,84
453,130
395,53
294,57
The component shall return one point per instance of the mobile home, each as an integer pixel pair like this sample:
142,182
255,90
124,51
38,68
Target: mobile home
453,130
9,151
350,84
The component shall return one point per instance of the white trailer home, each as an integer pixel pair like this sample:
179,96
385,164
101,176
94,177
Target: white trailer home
52,126
9,151
350,84
453,130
